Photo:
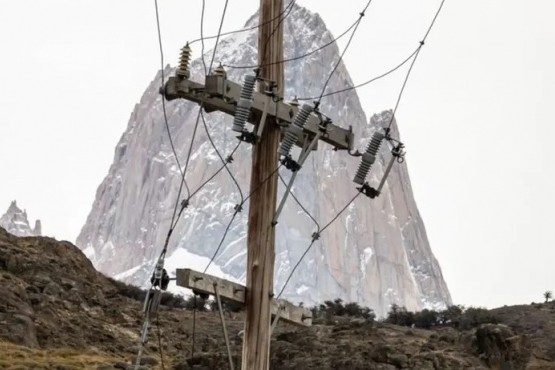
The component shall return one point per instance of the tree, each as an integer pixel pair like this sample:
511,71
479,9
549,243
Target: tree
548,295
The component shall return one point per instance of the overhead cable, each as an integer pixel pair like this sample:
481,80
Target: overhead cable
364,83
238,208
361,15
218,36
315,237
298,57
201,39
422,42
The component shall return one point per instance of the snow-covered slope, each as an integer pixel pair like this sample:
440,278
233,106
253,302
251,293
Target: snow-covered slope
376,254
15,222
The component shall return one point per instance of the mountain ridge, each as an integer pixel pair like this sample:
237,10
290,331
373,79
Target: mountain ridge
376,254
15,221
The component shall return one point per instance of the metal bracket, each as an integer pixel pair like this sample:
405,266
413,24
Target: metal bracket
222,94
262,122
224,328
397,154
295,167
276,319
369,191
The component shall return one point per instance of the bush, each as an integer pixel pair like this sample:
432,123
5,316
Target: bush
329,309
473,317
426,319
454,316
196,302
400,316
127,290
171,300
131,291
226,306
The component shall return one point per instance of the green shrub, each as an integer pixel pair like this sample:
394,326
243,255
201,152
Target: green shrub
226,306
329,309
454,316
198,302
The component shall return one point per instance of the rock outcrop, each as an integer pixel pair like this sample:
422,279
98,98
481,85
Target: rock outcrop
15,222
376,253
58,312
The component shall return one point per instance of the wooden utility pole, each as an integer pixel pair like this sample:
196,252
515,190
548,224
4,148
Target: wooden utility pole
261,233
268,115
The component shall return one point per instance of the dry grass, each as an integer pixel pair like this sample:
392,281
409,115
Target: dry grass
14,357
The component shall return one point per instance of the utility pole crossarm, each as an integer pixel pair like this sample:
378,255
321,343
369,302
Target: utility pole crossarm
233,292
221,94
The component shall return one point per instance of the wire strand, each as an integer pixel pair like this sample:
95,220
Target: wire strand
313,241
215,173
361,14
160,341
366,82
202,36
162,80
412,63
298,57
220,156
194,325
221,240
218,37
300,204
242,29
269,38
238,209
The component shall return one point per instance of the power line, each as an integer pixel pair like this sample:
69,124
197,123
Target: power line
238,209
220,156
202,36
298,57
412,64
300,204
159,334
228,160
361,14
415,54
162,80
201,39
366,82
281,20
219,34
315,237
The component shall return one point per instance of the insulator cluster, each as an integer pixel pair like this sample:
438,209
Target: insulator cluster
184,60
243,107
369,157
293,132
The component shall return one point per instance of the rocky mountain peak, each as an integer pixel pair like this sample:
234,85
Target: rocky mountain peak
376,253
15,221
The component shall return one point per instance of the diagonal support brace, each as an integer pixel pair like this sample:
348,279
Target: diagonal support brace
302,158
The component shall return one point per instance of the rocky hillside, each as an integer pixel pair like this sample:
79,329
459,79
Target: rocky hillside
58,312
16,222
377,253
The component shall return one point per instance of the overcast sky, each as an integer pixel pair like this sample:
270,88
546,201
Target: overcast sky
477,115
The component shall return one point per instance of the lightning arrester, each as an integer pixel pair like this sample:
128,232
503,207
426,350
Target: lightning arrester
293,132
243,107
369,157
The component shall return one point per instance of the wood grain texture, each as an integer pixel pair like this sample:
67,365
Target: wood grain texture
261,234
